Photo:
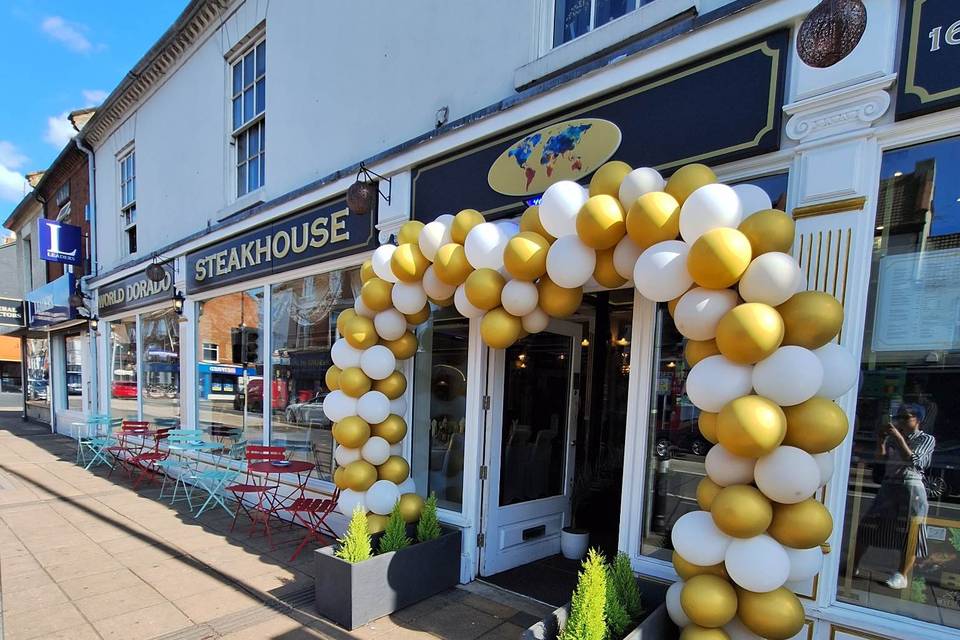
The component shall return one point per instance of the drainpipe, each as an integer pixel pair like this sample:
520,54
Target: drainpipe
94,402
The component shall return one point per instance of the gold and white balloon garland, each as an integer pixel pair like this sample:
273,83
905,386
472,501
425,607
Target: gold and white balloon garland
764,370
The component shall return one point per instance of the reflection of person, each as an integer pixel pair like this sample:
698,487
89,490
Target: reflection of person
900,507
917,395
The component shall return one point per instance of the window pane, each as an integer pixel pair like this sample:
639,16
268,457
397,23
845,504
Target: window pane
248,69
242,147
304,319
253,174
123,369
237,78
161,364
247,104
254,141
901,530
263,135
73,368
261,95
241,179
608,10
261,58
263,168
230,392
38,370
237,112
571,20
132,239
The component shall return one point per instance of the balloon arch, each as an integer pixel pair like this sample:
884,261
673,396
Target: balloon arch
765,367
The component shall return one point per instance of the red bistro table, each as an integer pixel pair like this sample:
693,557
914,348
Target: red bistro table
273,502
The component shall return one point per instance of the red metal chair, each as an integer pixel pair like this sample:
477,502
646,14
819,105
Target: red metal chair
147,460
260,493
130,443
313,512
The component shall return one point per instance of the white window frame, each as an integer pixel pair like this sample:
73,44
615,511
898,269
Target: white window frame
256,122
552,10
209,346
127,180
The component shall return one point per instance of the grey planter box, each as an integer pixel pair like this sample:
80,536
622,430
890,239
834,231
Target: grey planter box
354,594
655,626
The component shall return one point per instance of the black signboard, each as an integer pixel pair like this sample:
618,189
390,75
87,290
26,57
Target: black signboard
133,292
715,110
930,61
317,234
11,313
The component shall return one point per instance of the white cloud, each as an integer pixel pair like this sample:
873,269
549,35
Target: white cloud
12,183
68,34
59,130
94,97
10,156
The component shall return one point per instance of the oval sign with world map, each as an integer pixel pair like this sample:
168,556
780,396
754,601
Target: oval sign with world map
567,150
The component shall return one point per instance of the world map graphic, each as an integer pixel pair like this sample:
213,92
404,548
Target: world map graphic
559,147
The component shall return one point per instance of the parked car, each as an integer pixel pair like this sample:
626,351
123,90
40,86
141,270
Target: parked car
309,413
685,438
124,389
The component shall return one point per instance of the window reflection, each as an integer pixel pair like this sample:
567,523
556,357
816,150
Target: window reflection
161,364
74,378
123,369
38,371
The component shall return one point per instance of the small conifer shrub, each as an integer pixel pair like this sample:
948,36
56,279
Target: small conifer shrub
395,535
428,528
355,543
587,619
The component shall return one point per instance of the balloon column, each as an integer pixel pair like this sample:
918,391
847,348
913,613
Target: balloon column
765,369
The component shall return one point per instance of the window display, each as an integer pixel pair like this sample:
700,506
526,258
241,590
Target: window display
38,371
123,369
161,364
74,377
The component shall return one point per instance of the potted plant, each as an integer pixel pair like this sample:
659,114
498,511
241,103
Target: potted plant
354,585
575,540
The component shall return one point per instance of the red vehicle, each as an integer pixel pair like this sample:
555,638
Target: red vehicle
124,389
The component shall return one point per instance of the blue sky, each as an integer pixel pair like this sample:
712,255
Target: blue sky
57,56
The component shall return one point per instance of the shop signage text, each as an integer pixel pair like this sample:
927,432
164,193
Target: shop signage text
930,61
11,312
59,242
50,304
133,291
314,235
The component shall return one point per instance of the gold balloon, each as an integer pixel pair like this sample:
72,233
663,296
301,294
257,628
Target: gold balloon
557,301
360,332
707,422
816,426
375,294
420,316
499,329
777,614
446,302
672,304
694,632
338,478
332,378
483,288
696,350
345,316
395,469
811,319
707,491
708,600
600,222
605,273
718,258
411,506
451,264
803,525
354,382
608,177
393,429
392,386
366,270
769,230
751,426
525,256
376,522
403,347
749,332
463,222
530,221
688,179
654,217
410,232
352,432
408,263
741,511
687,570
359,475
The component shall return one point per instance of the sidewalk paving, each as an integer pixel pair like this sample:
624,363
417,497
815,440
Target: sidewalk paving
83,556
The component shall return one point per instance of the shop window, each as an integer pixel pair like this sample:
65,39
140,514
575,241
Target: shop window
901,531
161,364
74,378
230,393
38,371
248,104
128,201
123,369
210,352
304,326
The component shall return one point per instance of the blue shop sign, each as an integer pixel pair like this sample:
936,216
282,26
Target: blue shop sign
314,235
59,242
50,304
929,77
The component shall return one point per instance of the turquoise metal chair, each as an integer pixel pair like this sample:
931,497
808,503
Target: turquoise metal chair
179,465
98,438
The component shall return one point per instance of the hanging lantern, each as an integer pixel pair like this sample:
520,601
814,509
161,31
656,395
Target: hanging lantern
155,272
830,32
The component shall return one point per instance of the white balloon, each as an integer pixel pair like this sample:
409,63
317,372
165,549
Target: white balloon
375,450
726,469
699,311
508,228
709,207
484,246
715,381
674,610
789,376
625,256
660,273
350,500
757,564
407,486
698,540
344,355
519,297
390,324
381,497
787,475
559,207
464,306
804,563
772,278
408,297
738,631
752,198
825,463
840,370
362,309
381,262
535,321
345,455
374,407
398,406
638,182
570,263
338,405
378,362
434,286
434,235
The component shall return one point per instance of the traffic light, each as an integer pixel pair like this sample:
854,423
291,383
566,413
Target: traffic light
236,344
251,345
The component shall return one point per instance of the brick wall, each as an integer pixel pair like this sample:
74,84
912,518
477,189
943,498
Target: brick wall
220,315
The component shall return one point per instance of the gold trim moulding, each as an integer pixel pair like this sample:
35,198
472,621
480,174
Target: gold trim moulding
836,206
